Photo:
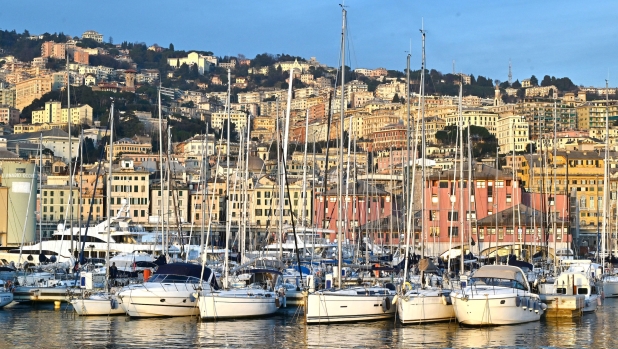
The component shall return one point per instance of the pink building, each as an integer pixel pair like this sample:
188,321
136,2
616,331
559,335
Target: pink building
365,203
495,212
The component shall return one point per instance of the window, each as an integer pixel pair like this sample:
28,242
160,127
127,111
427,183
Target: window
258,212
453,216
480,184
434,231
509,231
143,213
582,202
471,215
453,231
592,202
443,184
433,215
508,197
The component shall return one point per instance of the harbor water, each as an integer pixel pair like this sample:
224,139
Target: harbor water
40,326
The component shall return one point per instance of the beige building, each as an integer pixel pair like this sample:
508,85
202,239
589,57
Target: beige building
53,113
512,132
172,205
476,117
50,49
133,184
129,146
237,118
9,115
28,90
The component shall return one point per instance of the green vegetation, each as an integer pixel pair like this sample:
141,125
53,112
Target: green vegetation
483,142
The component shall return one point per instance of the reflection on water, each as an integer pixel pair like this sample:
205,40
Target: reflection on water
42,326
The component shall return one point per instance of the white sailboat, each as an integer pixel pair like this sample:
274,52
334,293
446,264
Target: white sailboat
253,300
497,295
357,303
106,302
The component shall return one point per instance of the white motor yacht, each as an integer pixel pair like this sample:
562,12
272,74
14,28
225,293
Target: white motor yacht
497,295
6,296
102,303
171,291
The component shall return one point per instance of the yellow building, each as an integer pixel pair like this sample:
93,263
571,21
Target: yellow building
28,90
239,119
592,114
133,184
474,116
53,113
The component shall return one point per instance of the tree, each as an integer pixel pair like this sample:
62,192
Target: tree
516,84
395,98
111,40
171,47
534,81
546,81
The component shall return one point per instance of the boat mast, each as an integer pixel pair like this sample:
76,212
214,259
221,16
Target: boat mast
341,115
81,184
204,193
555,212
245,197
228,221
461,181
40,191
70,155
424,141
109,193
408,136
280,178
283,162
605,176
163,245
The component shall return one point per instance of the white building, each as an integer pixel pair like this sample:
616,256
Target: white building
91,34
512,131
194,58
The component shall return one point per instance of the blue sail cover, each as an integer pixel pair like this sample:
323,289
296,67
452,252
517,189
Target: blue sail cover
187,269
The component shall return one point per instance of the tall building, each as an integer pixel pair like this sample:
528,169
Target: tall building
512,132
132,184
50,49
28,90
81,56
9,115
7,95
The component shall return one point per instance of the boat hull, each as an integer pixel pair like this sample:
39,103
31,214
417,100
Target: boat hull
159,301
421,308
610,288
5,298
323,308
498,309
24,294
106,305
214,306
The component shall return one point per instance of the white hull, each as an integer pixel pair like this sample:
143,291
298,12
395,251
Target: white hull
429,306
159,300
485,308
591,303
237,304
98,305
5,298
329,307
610,288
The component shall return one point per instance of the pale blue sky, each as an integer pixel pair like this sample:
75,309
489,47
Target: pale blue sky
561,38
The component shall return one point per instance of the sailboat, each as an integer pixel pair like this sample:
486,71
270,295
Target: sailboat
428,302
257,298
102,303
356,303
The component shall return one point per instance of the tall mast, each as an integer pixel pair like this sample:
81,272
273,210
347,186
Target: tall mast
164,245
203,179
424,142
109,192
605,176
245,198
70,155
228,221
284,159
281,182
341,115
40,191
461,181
406,179
81,184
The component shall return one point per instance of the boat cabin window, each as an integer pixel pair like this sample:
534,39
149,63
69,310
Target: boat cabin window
498,282
582,291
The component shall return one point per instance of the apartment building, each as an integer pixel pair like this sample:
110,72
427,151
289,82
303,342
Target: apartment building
512,133
54,113
132,184
28,90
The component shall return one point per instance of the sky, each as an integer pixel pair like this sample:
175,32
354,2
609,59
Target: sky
572,39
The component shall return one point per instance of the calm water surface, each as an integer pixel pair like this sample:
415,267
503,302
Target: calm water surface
25,326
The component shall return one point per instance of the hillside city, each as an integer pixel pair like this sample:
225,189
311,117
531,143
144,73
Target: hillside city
536,145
